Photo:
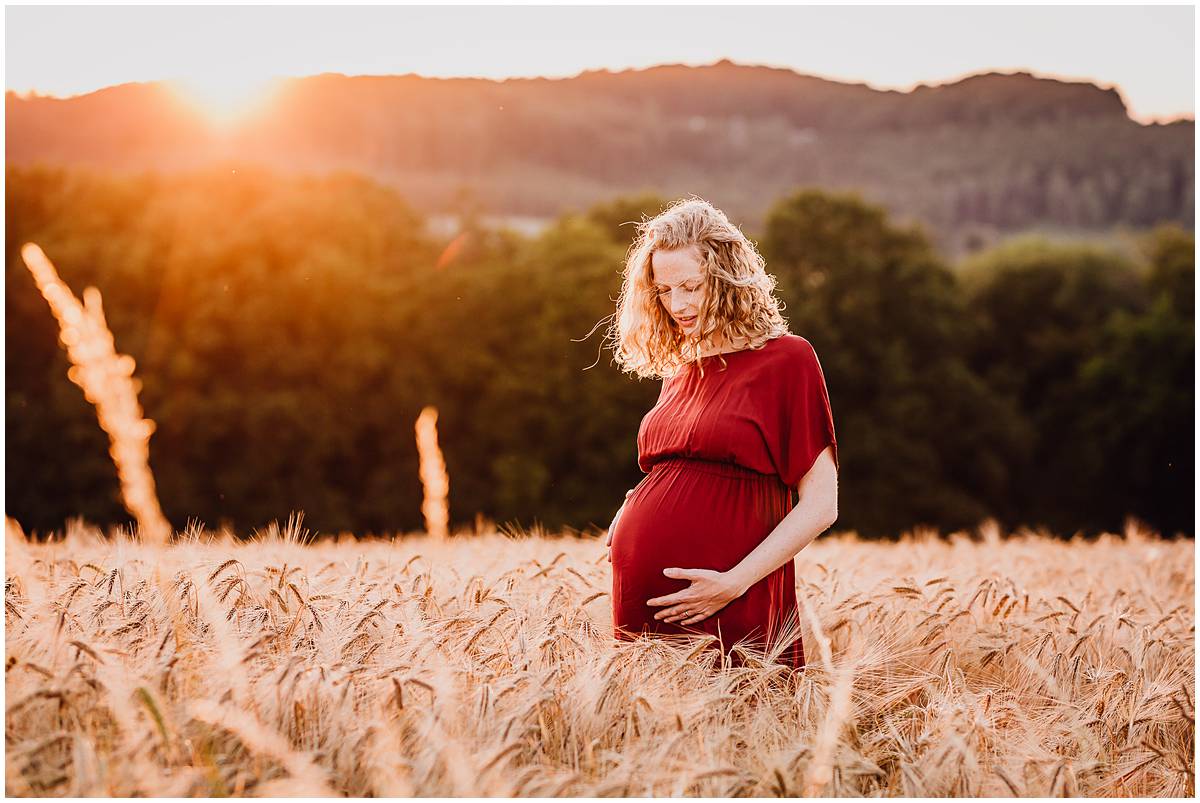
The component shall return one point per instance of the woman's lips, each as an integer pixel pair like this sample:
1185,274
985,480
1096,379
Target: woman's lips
686,321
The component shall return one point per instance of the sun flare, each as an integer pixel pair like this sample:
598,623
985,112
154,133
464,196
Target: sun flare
225,98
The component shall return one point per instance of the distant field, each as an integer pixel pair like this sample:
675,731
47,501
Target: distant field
484,665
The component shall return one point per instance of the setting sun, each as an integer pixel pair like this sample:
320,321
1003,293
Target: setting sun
225,98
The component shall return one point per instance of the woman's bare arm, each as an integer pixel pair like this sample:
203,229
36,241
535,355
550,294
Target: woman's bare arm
814,513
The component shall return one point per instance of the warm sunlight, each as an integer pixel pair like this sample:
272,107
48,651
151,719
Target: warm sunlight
225,98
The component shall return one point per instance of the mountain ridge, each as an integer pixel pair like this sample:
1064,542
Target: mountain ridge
976,157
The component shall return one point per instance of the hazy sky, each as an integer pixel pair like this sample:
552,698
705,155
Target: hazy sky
1148,53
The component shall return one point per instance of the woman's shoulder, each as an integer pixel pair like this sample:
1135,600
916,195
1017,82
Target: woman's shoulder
791,347
788,358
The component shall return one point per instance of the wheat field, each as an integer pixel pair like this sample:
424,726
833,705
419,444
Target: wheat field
989,664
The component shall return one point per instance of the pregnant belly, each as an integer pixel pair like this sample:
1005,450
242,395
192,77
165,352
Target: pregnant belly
690,514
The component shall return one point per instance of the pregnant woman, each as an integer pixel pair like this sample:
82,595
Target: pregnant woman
705,542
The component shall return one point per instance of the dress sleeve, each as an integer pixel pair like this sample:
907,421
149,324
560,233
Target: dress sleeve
804,417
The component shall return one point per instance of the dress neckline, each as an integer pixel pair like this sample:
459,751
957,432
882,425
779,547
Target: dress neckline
708,359
739,351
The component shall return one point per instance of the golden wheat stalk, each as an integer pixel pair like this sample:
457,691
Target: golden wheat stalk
436,482
443,673
820,770
106,378
308,777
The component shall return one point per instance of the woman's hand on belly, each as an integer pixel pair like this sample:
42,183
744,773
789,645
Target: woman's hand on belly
709,592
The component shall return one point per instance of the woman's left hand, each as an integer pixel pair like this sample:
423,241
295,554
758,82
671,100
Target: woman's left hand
709,592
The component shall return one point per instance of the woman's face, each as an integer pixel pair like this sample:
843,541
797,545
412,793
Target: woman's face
678,278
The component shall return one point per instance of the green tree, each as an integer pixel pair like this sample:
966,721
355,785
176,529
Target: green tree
540,426
258,309
1139,399
1040,313
288,331
921,441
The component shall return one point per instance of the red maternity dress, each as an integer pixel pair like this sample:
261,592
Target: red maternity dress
724,453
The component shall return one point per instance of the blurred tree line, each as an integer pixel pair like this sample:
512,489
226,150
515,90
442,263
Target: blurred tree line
289,330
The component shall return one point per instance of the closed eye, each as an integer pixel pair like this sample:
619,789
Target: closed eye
662,291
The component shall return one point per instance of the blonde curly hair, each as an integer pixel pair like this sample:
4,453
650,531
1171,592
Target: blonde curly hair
739,293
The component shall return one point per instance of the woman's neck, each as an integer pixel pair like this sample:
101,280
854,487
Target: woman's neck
725,346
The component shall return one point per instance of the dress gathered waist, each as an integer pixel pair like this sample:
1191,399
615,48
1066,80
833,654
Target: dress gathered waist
720,467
